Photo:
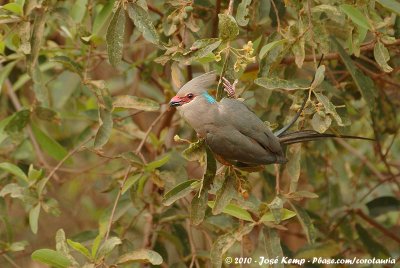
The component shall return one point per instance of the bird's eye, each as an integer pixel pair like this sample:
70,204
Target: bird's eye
190,95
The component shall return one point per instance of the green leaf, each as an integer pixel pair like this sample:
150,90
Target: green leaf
51,257
392,5
329,108
235,211
305,222
356,16
24,32
62,247
18,122
374,248
39,86
115,36
143,22
15,170
321,123
101,18
104,132
285,215
268,47
324,250
131,181
226,241
3,124
293,165
133,159
198,44
296,35
33,66
14,7
96,243
18,246
180,191
48,144
277,83
276,207
142,256
69,64
199,202
108,246
5,71
225,194
78,10
47,114
381,54
273,246
202,52
195,151
34,174
303,194
34,218
319,77
157,163
228,28
382,205
14,190
242,12
133,102
80,248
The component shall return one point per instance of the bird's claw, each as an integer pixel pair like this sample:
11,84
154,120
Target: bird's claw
229,88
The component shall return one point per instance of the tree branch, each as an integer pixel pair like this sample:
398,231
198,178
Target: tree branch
378,226
110,222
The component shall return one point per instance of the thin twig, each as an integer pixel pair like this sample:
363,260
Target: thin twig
277,16
139,148
363,159
230,7
332,56
13,264
310,26
192,246
277,179
215,23
378,226
70,153
110,222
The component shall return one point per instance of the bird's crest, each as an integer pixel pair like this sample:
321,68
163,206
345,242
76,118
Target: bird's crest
199,84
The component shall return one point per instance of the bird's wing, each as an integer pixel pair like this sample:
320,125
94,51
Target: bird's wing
233,146
199,83
246,122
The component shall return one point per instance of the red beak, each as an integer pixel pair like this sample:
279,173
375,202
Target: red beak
175,101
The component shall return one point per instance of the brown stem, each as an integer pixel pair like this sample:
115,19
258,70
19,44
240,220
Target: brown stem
363,159
110,222
139,148
378,226
277,16
70,153
230,7
331,56
277,180
215,24
155,10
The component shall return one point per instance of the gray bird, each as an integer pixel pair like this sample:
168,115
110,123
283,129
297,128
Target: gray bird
230,129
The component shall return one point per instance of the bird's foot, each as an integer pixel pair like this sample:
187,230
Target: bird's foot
229,88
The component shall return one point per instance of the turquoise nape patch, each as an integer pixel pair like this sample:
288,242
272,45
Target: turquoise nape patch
209,98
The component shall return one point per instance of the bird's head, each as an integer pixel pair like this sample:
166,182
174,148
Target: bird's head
194,88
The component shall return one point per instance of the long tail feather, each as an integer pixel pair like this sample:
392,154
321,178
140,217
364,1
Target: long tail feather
311,135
